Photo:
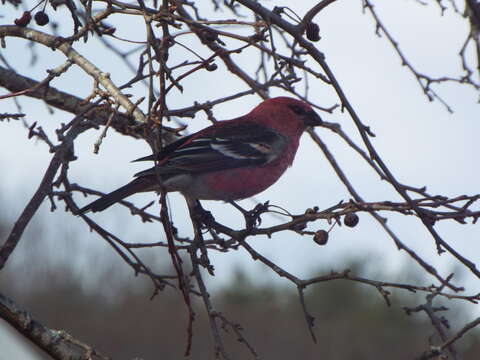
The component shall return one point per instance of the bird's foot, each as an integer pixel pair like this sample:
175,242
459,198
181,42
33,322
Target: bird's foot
203,217
252,217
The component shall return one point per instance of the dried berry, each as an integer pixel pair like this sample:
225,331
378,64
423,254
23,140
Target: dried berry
24,20
313,210
41,18
351,220
211,67
321,237
313,31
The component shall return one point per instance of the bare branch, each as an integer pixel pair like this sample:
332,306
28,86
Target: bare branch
75,57
57,343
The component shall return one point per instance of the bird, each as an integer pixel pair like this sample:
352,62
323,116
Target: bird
227,161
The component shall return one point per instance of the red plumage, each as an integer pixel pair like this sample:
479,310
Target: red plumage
230,160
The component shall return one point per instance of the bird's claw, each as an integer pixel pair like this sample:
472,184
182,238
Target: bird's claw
252,217
204,217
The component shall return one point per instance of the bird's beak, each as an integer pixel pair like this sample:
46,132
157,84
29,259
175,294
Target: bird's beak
312,119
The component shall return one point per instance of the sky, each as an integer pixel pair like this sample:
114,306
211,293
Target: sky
421,142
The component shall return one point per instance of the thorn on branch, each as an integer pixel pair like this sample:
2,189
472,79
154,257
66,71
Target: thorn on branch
369,131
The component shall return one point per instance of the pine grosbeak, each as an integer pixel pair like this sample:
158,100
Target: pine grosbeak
230,160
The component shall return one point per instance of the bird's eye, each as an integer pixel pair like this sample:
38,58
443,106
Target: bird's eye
298,109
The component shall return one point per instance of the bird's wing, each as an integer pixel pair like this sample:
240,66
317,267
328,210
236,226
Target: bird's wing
231,145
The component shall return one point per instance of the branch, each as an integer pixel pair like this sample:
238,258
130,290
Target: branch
363,130
313,12
63,152
57,343
15,82
57,43
460,333
224,54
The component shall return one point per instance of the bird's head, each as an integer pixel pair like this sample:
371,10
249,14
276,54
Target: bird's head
287,114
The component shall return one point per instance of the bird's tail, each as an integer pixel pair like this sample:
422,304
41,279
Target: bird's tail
137,185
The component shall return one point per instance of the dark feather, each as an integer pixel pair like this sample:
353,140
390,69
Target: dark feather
221,148
134,186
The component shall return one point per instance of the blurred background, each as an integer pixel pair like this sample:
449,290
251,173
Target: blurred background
107,307
70,279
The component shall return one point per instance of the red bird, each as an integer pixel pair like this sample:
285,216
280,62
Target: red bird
230,160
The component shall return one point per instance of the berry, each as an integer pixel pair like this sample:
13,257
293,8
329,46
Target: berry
41,18
321,237
351,220
211,67
313,32
24,20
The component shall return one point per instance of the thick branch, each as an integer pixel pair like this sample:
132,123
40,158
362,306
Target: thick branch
57,343
15,82
56,43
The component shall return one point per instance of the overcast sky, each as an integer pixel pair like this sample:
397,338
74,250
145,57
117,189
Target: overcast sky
419,140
